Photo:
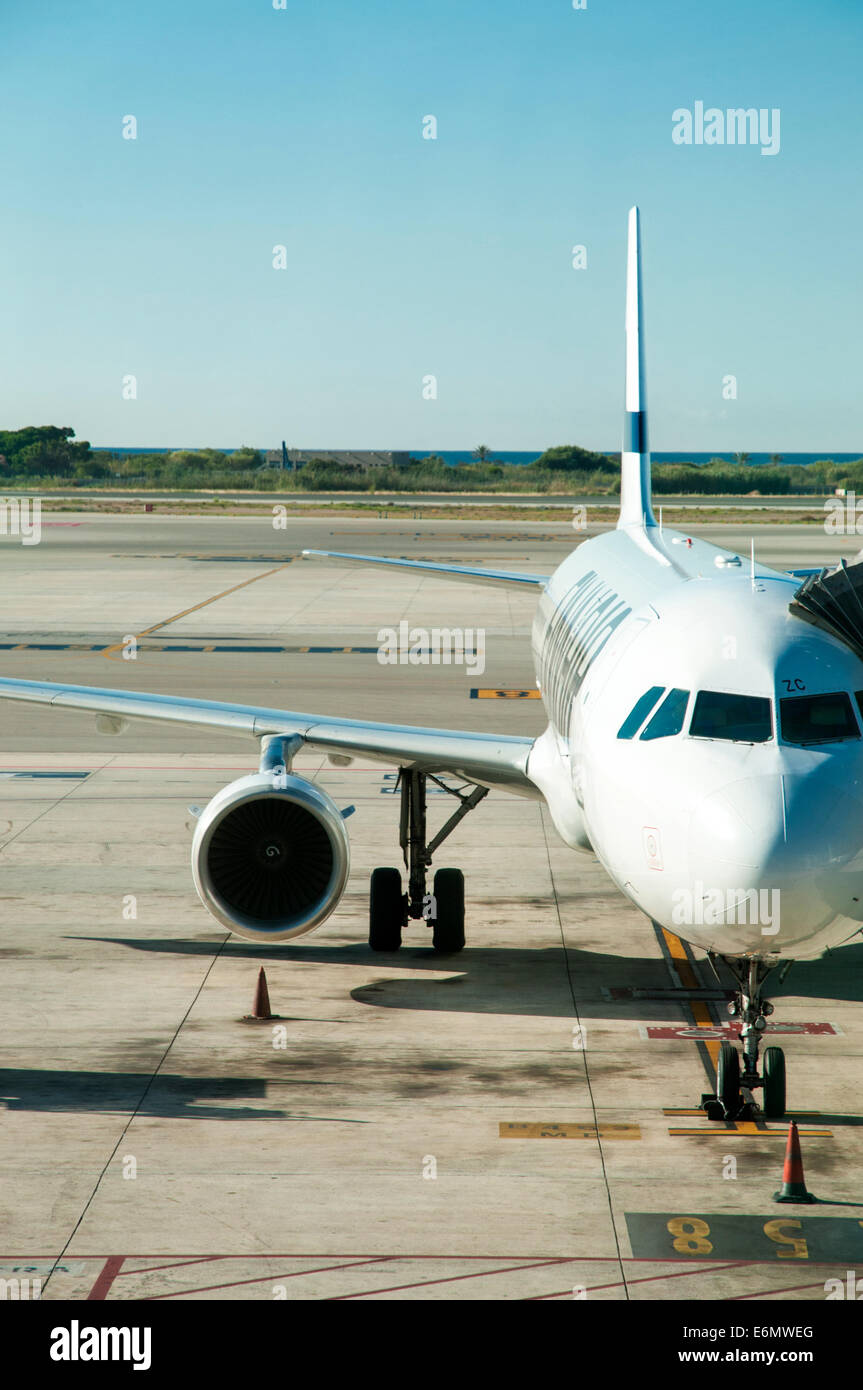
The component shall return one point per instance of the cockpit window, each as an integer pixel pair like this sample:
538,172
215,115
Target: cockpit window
639,712
817,718
669,718
739,718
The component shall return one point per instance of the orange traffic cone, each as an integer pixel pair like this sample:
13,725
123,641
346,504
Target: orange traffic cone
261,1006
793,1183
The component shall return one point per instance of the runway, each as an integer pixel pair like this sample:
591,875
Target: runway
502,1124
747,502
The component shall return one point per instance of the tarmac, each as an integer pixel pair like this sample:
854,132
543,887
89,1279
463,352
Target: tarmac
492,1125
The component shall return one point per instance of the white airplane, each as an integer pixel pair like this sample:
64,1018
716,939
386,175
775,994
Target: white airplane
704,743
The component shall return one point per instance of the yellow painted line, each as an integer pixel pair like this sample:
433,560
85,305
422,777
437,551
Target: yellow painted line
508,695
568,1131
703,1019
789,1114
208,649
747,1130
677,952
194,608
687,977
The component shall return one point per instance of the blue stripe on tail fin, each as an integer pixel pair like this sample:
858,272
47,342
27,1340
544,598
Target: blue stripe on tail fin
635,503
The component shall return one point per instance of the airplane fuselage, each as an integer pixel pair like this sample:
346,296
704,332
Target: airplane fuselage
737,838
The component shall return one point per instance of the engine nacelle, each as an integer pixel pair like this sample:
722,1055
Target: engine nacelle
270,857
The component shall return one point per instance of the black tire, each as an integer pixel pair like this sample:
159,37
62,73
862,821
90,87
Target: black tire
386,910
448,935
728,1078
774,1083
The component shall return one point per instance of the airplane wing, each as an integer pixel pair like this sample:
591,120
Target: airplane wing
489,760
469,574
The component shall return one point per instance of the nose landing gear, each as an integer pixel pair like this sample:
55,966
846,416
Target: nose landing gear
738,1077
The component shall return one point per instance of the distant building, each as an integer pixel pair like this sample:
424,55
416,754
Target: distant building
348,458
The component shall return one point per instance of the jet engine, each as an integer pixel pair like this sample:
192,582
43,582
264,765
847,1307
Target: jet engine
270,856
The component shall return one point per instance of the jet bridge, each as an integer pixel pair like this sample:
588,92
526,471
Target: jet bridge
833,601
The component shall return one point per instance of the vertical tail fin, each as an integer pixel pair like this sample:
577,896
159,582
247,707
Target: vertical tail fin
635,504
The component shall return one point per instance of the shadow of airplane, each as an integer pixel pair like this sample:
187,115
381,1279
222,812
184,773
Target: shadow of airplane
165,1096
516,980
836,975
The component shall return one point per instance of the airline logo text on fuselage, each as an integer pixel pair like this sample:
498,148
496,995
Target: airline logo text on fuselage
576,634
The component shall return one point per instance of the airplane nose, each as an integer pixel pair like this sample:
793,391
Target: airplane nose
796,834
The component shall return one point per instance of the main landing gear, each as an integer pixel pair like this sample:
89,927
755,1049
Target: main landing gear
390,908
737,1077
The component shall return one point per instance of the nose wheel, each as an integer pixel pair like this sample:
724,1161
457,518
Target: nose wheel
728,1080
737,1073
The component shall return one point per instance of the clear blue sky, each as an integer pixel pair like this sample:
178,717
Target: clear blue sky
409,257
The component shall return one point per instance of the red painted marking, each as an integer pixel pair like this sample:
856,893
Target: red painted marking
689,1032
648,1279
128,767
262,1278
110,1270
178,1264
165,767
792,1288
437,1255
453,1278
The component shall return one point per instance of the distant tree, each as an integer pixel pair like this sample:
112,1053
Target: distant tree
184,458
94,469
245,458
572,458
481,453
214,458
742,458
776,458
43,450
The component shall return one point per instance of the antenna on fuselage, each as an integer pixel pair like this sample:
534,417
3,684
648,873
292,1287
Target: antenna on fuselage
635,504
